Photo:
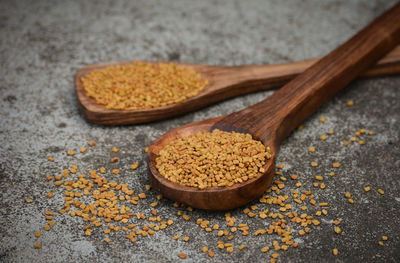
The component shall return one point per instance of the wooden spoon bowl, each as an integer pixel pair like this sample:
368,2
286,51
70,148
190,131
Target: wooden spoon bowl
209,198
224,82
272,120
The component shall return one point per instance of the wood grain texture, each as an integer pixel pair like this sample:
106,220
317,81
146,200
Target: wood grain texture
224,82
274,118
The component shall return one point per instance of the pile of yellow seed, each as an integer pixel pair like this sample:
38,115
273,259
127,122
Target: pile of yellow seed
142,85
286,213
212,159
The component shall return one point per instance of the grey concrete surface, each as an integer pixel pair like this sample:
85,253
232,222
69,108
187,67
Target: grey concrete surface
43,43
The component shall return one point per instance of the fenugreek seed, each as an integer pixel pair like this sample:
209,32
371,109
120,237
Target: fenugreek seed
146,149
381,191
50,158
229,249
28,200
323,204
38,234
322,186
91,143
115,171
182,255
351,201
294,176
49,194
204,249
370,133
70,153
210,254
335,251
38,245
314,164
280,166
319,178
336,165
186,238
347,195
275,255
265,249
384,238
336,222
114,159
332,174
361,142
322,137
135,165
82,149
114,149
46,227
367,189
337,230
107,239
353,139
357,133
311,149
322,119
349,103
345,143
330,132
381,243
301,127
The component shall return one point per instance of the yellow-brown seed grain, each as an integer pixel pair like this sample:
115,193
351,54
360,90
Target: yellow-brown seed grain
381,191
38,245
335,251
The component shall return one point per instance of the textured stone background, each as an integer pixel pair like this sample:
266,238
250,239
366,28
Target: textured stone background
43,43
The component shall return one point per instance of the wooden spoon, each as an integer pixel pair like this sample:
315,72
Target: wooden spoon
224,82
271,120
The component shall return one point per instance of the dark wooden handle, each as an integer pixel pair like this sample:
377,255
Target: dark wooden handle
279,114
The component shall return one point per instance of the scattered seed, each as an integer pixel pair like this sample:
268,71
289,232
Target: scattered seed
182,255
311,149
335,251
349,103
322,137
38,245
336,165
322,119
381,191
367,189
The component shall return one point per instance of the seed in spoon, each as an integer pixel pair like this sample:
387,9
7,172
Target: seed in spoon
212,159
142,85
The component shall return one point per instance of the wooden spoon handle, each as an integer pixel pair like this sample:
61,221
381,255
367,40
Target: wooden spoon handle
250,78
279,114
